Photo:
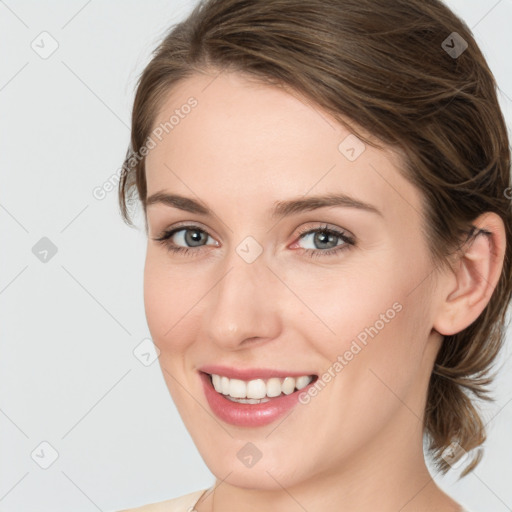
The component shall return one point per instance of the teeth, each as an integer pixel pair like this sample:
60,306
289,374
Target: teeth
216,383
237,388
302,382
247,400
273,387
224,382
288,385
257,390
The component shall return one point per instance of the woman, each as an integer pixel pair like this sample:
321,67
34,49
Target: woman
329,247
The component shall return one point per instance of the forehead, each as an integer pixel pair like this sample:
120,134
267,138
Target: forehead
240,141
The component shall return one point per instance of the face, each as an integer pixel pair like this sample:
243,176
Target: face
252,279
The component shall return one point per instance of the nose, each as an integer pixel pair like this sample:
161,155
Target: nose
243,307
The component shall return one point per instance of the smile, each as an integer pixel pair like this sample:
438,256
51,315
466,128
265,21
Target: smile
258,390
255,402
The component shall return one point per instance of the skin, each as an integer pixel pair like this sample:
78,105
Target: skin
357,446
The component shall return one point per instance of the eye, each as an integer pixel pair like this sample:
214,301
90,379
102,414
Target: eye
184,238
325,241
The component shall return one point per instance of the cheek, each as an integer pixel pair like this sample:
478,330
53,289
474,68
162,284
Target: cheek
172,294
161,301
164,305
156,296
382,366
375,325
352,303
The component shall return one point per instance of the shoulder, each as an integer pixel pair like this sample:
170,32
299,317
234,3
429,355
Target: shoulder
183,503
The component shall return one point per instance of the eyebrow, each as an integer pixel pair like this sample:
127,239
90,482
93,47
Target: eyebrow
280,208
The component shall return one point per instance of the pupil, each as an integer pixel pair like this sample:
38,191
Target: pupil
324,237
193,237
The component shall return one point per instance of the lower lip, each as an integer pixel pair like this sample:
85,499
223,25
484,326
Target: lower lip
249,415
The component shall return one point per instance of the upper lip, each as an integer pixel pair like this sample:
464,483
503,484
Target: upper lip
250,373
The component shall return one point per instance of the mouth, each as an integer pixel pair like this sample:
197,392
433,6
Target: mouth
255,402
256,391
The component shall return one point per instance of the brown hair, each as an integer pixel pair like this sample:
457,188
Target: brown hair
396,70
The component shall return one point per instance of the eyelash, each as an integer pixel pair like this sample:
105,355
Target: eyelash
348,241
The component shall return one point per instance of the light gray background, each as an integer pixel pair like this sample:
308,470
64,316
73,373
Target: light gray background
69,326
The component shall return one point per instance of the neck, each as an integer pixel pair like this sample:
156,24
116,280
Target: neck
388,474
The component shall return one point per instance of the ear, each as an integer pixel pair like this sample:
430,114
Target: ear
477,270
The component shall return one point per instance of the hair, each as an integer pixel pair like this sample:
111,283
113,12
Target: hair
384,67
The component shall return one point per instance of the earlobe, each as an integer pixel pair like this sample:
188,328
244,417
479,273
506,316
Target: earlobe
476,274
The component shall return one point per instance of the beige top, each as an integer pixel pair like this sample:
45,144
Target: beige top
184,503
